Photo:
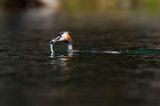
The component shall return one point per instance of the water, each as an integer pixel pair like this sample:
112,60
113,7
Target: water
28,76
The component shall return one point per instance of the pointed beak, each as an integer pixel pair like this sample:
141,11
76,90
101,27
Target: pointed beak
54,40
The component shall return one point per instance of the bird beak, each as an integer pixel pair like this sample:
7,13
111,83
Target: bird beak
54,40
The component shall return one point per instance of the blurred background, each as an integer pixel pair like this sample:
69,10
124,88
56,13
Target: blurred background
81,5
28,77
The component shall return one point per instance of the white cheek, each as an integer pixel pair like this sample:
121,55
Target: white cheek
62,38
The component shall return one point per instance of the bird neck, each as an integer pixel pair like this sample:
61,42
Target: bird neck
69,45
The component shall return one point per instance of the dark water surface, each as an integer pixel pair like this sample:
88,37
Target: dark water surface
28,77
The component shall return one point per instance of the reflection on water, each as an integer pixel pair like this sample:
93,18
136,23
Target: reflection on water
29,77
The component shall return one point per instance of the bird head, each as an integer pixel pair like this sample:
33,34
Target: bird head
62,36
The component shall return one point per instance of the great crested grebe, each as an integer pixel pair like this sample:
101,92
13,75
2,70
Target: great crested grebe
62,36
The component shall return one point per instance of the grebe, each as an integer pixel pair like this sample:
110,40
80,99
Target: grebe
62,36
